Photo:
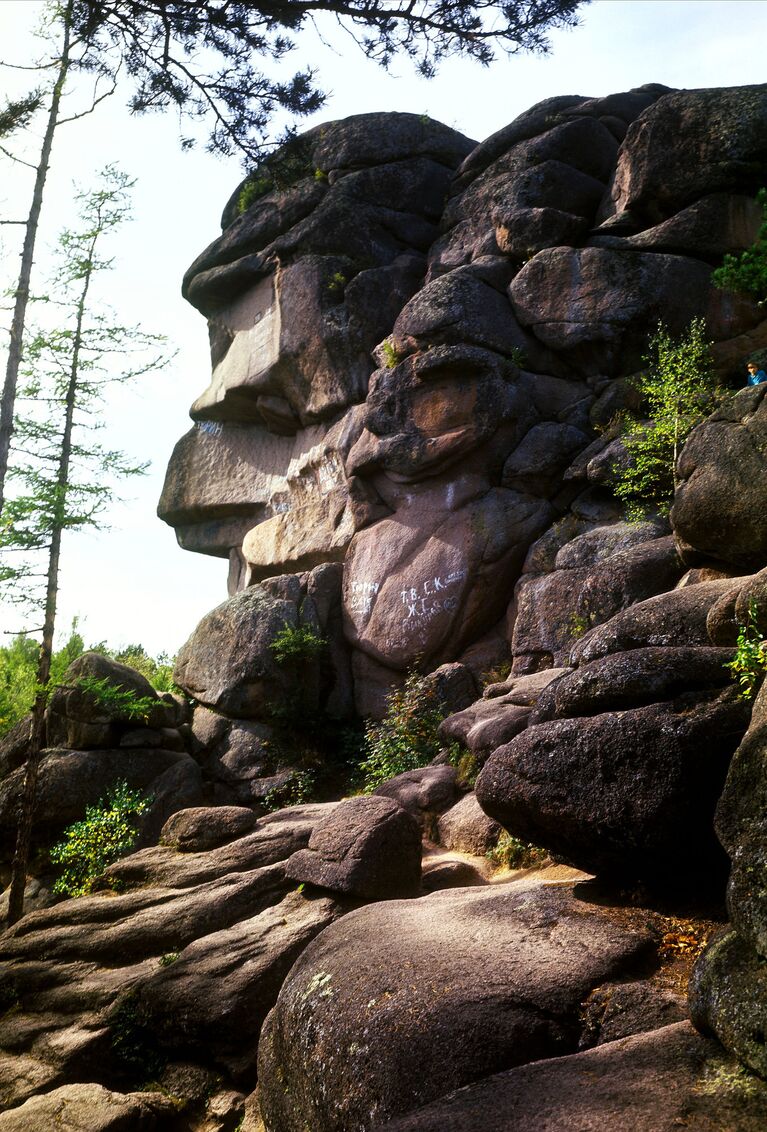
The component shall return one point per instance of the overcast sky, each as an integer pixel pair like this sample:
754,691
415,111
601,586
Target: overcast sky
132,583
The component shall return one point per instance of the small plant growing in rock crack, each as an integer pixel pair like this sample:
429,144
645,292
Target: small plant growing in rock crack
117,702
496,675
518,355
466,765
406,738
277,172
168,959
133,1042
336,285
391,355
296,644
580,623
750,661
296,791
107,831
511,853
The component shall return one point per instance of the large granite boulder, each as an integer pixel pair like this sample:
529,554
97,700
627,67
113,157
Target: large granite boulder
567,590
195,830
467,828
594,305
212,1000
669,620
623,772
719,510
502,713
425,792
657,1082
232,662
468,982
729,991
667,160
90,1108
728,998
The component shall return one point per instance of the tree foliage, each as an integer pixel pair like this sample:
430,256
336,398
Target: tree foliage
679,389
158,670
746,273
17,113
66,369
18,673
117,702
220,59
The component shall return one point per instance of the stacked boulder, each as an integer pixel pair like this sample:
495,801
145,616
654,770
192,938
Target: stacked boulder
506,304
407,450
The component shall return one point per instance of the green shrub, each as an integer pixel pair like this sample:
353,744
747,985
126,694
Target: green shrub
117,702
750,661
107,831
747,273
511,853
406,738
679,390
296,644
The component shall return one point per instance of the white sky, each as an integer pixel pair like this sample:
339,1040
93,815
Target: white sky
133,583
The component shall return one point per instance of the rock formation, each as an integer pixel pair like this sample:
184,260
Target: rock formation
420,350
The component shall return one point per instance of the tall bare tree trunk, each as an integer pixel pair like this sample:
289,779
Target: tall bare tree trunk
8,402
37,738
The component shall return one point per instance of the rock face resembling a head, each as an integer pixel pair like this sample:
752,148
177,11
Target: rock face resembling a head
413,337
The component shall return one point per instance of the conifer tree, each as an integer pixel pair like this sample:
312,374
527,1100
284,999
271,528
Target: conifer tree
59,473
